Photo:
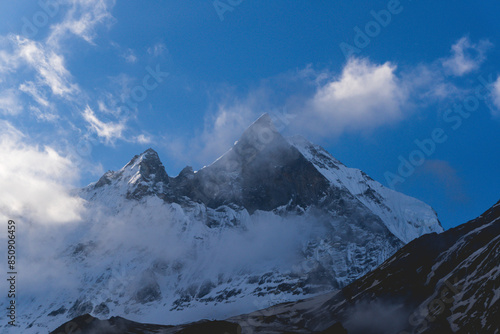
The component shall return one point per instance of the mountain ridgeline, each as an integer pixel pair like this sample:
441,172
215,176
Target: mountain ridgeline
264,171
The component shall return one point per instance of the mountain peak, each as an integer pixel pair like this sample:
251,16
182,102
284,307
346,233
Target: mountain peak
148,165
264,119
262,131
147,157
145,173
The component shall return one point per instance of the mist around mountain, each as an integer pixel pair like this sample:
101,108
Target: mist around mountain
273,220
438,283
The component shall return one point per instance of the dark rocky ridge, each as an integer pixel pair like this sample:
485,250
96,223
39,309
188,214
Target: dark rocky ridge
86,324
261,172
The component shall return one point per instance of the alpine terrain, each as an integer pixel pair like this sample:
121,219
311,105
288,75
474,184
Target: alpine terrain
272,220
438,283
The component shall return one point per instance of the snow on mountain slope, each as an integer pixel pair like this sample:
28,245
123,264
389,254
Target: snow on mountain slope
446,283
438,283
265,223
406,217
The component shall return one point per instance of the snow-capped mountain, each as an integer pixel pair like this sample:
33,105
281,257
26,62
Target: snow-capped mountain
270,221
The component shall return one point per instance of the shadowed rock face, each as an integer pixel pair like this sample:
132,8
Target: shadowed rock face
152,172
150,177
86,324
261,172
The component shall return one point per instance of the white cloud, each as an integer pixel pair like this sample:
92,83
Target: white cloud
466,56
35,181
109,131
222,129
495,93
8,62
10,103
48,65
143,139
365,96
81,20
44,115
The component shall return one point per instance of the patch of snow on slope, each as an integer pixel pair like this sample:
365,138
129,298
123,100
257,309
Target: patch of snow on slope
406,217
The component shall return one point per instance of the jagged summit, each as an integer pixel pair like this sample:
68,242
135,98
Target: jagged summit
148,158
143,175
260,135
264,171
261,131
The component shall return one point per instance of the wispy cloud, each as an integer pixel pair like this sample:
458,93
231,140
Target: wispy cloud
48,65
109,131
81,20
221,129
10,103
466,56
47,79
129,56
9,61
363,96
447,177
427,83
143,139
31,88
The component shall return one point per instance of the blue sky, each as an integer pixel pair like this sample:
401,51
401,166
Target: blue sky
87,84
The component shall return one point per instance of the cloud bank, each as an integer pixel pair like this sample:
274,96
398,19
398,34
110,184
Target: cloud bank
35,181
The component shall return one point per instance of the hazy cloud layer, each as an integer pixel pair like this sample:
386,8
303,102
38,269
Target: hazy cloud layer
447,177
10,103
